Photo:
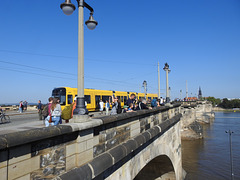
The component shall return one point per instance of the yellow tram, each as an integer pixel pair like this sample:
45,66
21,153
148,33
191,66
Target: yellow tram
93,96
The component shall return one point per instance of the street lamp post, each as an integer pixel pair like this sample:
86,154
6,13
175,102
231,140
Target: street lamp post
231,158
145,88
166,68
68,8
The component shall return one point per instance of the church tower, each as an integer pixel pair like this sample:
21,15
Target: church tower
200,93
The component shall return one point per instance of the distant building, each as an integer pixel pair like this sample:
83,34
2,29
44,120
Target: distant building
200,93
191,99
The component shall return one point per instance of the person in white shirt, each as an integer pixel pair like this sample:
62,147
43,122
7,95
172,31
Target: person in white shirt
101,106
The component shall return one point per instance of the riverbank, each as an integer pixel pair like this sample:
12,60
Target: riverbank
218,109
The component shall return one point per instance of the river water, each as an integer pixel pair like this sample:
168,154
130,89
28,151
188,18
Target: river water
209,158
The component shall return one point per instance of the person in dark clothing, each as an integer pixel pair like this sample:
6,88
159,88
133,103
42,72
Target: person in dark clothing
131,99
40,108
143,105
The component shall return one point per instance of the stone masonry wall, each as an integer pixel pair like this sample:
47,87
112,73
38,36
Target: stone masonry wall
46,153
193,117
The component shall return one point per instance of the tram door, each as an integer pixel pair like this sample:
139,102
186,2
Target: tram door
97,101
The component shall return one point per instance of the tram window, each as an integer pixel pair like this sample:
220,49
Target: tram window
105,98
87,98
61,94
125,98
63,100
69,99
118,97
149,98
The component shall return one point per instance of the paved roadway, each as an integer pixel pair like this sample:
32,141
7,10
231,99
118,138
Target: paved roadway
24,121
20,118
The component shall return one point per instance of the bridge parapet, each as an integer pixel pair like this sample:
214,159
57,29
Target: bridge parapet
83,150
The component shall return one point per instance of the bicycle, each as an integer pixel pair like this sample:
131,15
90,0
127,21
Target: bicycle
4,117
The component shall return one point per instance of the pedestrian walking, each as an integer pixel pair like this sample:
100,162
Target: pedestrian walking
107,106
20,107
40,108
25,103
101,106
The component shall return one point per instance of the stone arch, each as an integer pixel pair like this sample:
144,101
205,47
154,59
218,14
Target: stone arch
159,151
166,148
160,166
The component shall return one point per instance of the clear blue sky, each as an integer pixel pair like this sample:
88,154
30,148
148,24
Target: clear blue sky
199,39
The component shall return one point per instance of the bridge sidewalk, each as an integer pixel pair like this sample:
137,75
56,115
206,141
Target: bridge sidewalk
30,125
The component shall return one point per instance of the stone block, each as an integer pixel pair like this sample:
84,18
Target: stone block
111,143
135,125
151,124
26,177
121,131
80,147
71,149
111,133
123,137
83,173
3,173
149,120
84,157
102,137
19,153
153,132
55,156
130,146
85,135
3,158
3,164
134,132
90,144
118,153
146,135
99,149
147,126
95,140
140,140
70,162
101,163
24,167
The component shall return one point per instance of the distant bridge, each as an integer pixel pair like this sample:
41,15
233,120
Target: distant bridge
140,145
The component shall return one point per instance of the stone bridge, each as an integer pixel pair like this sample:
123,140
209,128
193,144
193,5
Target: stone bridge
140,145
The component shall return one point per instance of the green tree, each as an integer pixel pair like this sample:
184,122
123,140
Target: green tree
214,101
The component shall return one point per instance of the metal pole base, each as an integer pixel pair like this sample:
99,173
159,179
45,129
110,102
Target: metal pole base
167,100
80,107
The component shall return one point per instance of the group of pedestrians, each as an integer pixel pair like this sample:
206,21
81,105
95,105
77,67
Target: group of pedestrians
51,112
131,105
23,106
